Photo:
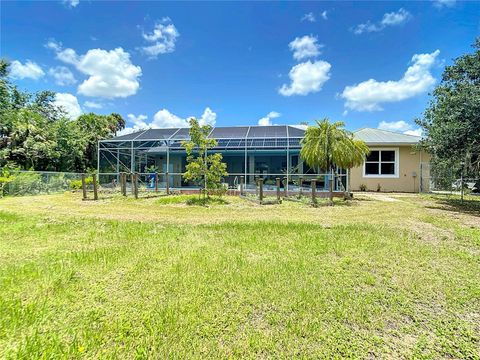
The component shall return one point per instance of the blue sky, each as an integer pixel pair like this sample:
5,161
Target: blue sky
235,63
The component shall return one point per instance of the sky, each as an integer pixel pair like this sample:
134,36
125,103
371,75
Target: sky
369,64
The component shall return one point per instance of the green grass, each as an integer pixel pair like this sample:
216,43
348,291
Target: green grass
157,278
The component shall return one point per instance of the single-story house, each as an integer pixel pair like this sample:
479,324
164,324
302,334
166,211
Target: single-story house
267,152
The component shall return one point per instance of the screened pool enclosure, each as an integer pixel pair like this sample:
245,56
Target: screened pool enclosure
251,152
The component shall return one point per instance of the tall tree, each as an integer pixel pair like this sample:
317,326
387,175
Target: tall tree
206,170
451,123
328,145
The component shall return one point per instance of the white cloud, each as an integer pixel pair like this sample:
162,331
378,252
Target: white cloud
163,39
165,119
208,117
93,105
389,19
138,124
324,15
306,77
394,125
29,70
368,95
440,4
267,120
305,47
400,126
62,75
111,73
308,17
71,3
415,132
69,104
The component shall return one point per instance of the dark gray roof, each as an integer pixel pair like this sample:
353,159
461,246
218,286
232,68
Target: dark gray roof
219,132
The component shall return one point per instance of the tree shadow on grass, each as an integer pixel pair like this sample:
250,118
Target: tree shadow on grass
468,206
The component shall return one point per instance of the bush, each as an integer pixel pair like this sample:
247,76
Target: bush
26,184
77,184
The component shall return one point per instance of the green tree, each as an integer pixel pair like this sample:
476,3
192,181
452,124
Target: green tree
328,145
206,170
451,121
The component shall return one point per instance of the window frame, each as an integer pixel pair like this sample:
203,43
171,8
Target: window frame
396,173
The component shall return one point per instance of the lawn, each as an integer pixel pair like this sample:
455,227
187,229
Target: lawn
383,276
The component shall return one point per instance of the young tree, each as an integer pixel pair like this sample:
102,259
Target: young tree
206,170
328,145
451,122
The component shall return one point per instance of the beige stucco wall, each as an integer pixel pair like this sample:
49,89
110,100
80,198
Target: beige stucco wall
409,163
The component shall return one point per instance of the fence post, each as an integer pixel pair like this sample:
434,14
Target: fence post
132,182
260,189
84,188
124,184
95,190
156,181
314,191
136,185
300,183
277,180
242,179
167,183
285,191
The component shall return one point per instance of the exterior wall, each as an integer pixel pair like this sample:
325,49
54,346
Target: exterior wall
408,166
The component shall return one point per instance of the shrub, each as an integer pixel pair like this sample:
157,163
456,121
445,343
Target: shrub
77,184
26,184
363,187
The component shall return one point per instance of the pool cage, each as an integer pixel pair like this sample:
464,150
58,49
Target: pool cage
251,152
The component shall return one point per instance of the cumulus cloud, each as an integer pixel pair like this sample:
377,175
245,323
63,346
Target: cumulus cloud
306,77
305,47
368,95
162,39
324,15
110,73
308,17
93,105
62,75
394,18
68,103
267,120
138,124
400,126
440,4
165,119
29,70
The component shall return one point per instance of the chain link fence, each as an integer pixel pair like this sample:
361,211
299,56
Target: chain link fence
447,182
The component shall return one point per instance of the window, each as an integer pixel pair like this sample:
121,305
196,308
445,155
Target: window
381,163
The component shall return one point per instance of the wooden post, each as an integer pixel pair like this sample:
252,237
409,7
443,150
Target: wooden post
242,179
132,182
167,183
84,188
260,189
156,181
300,183
95,190
278,188
285,192
314,191
136,185
124,184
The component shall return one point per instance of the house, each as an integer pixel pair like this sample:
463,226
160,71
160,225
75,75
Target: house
267,152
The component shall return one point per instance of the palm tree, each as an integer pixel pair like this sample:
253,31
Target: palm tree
328,145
